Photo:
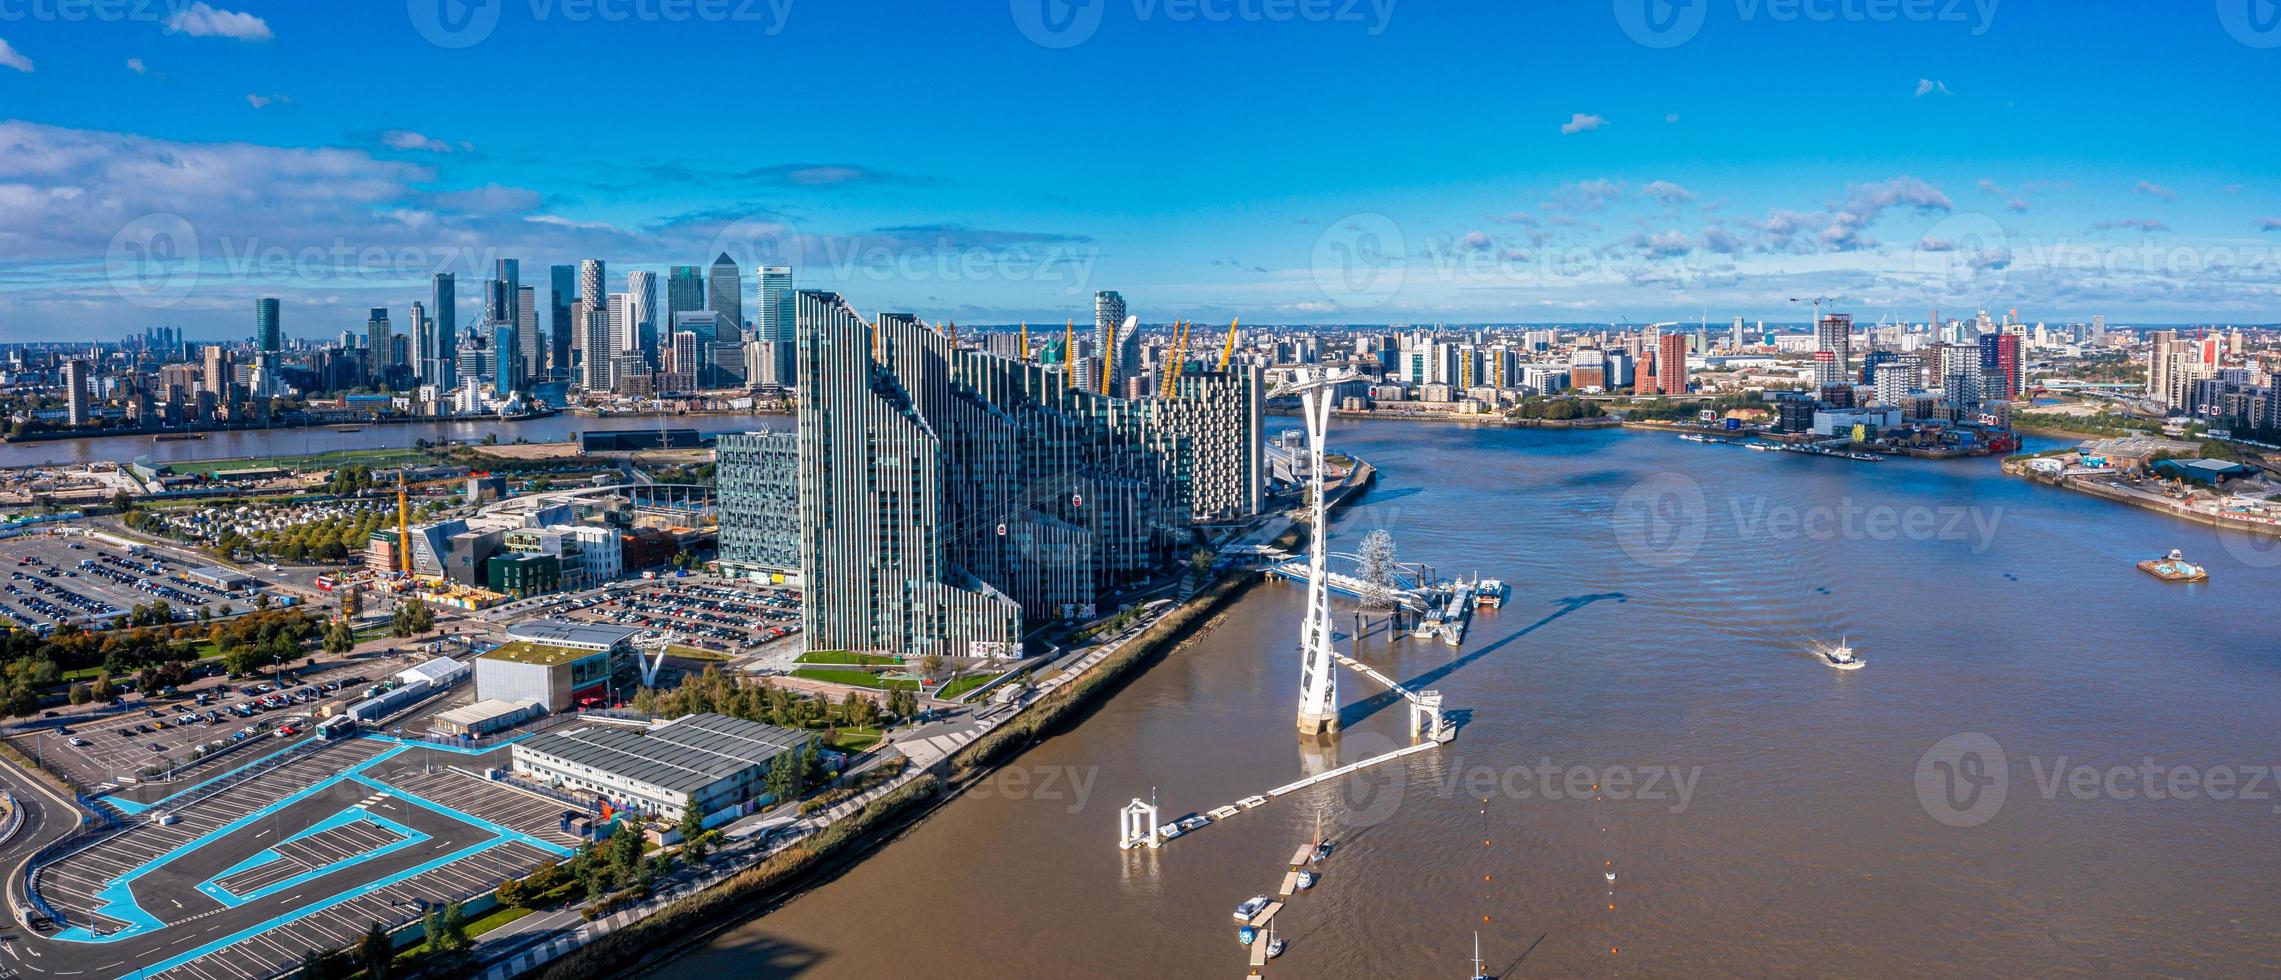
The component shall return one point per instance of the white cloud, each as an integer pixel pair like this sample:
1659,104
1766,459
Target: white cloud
259,101
405,139
1667,192
136,65
1581,122
2141,224
1671,117
201,20
2156,191
1926,86
10,58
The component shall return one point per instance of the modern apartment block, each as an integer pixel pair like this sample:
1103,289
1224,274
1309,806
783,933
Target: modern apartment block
950,498
758,479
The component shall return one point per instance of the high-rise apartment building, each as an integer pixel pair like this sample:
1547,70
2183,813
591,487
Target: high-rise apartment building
379,345
1671,364
267,335
562,323
1109,318
776,320
758,479
1834,334
443,346
2000,366
78,394
641,317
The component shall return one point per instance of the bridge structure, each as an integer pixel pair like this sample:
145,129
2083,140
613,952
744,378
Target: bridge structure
1413,589
1318,671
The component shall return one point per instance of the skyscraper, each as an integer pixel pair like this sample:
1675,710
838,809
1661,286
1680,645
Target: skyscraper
641,317
78,399
597,302
777,321
444,345
684,293
379,344
562,297
502,299
725,293
1671,364
266,333
1108,318
1834,334
507,361
527,336
419,334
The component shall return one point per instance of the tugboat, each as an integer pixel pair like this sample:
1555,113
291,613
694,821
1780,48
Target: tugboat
1249,908
1840,657
2174,567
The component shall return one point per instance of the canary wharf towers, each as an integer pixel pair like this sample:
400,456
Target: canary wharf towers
951,500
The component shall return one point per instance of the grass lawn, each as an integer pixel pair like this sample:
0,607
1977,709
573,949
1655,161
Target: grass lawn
965,684
845,658
856,678
498,916
692,653
856,739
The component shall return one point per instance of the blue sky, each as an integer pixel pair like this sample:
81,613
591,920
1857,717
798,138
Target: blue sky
165,162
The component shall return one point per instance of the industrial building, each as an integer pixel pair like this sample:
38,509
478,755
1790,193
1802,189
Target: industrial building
722,761
559,665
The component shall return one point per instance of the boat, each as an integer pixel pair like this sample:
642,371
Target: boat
179,436
1489,592
1322,847
1764,448
1478,972
2174,567
1693,437
1840,657
1193,822
1247,935
1250,907
1274,942
1307,880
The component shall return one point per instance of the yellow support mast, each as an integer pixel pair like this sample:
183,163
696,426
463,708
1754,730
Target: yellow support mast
1108,354
1229,353
1068,355
1025,340
403,526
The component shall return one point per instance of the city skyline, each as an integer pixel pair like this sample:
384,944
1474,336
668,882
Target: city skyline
1957,158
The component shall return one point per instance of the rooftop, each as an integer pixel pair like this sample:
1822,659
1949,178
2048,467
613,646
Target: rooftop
540,654
682,756
560,632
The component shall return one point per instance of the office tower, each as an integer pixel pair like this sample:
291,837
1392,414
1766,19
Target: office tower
506,358
562,326
684,293
776,321
641,323
2099,329
1734,336
78,399
590,293
1833,335
443,345
725,292
1108,318
266,333
683,360
504,294
531,343
419,337
379,345
1671,364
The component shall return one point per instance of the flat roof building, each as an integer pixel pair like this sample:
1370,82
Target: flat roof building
720,760
559,665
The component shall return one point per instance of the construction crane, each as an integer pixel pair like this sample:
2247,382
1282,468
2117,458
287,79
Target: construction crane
1025,340
1068,363
403,526
1228,354
951,328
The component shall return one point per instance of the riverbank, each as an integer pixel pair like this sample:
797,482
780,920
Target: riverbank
665,935
198,432
2168,506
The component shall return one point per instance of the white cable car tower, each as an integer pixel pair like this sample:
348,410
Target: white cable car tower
1318,667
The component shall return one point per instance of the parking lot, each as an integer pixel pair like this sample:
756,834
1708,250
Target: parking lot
163,732
719,616
297,848
56,578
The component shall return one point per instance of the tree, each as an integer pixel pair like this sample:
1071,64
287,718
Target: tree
692,823
455,926
432,937
80,694
930,665
1378,569
510,893
101,689
376,953
241,660
320,965
339,638
783,778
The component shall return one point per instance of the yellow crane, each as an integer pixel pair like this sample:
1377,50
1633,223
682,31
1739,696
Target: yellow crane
1108,357
1069,347
403,526
1229,353
952,326
1025,340
1177,363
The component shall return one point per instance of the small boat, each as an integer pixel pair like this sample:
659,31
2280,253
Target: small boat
2174,567
1322,847
1194,822
1840,657
1489,592
1250,907
1247,935
1478,972
1307,880
1274,942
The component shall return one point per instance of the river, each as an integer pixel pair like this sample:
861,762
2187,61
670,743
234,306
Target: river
262,443
1763,814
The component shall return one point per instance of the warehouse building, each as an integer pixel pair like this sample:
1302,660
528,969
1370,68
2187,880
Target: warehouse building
559,664
722,761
